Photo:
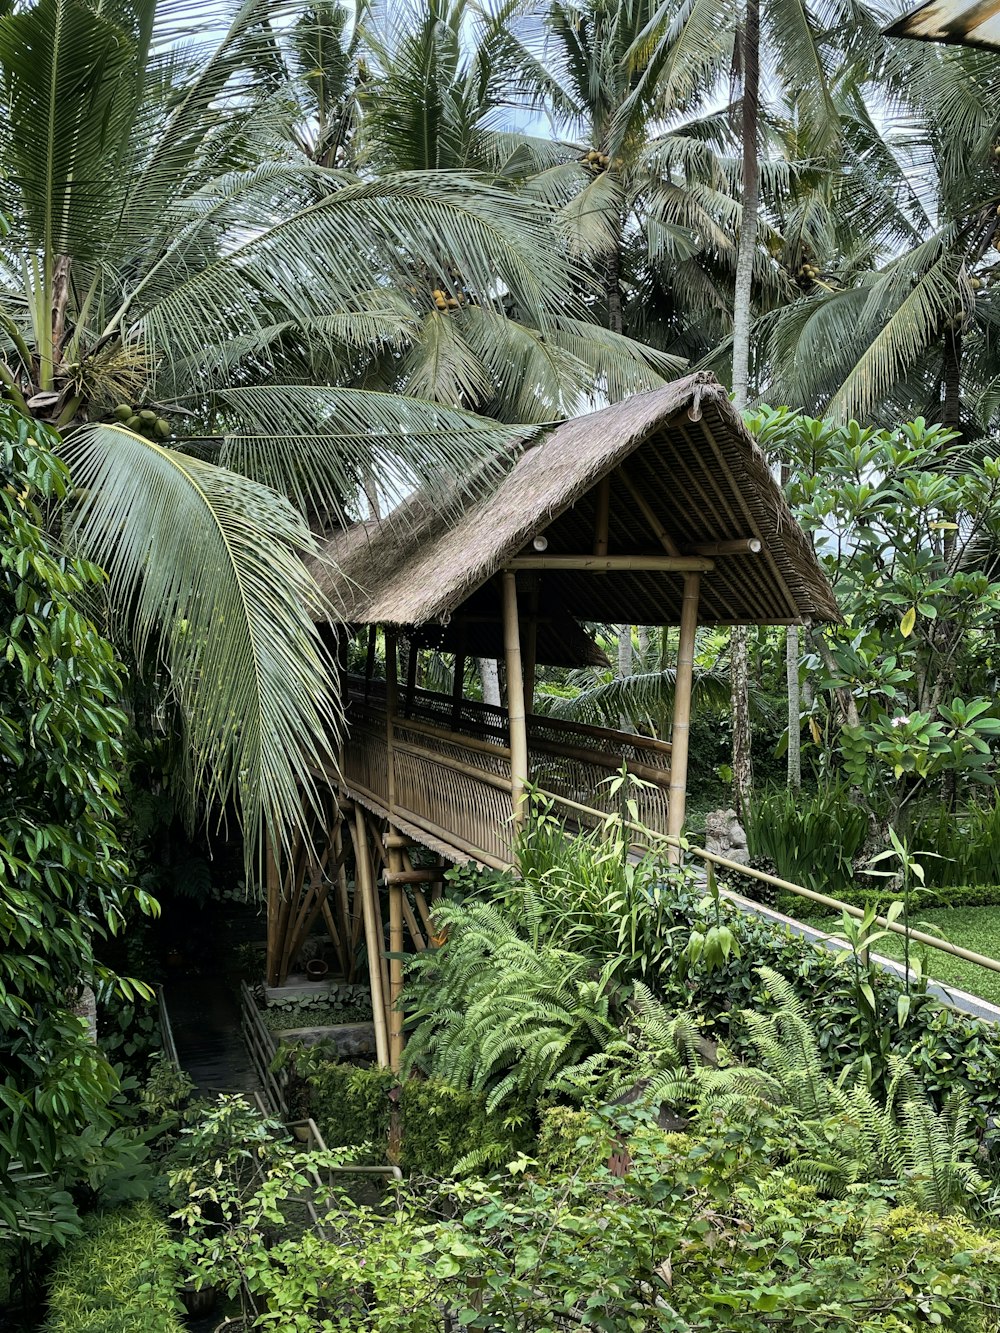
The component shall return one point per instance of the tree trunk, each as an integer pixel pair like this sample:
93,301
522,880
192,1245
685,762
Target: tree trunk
743,290
624,666
489,675
794,706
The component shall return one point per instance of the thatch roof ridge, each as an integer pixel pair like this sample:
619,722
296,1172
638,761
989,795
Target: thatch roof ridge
418,565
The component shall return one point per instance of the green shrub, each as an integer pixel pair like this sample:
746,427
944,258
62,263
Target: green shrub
441,1128
942,895
117,1278
351,1105
444,1129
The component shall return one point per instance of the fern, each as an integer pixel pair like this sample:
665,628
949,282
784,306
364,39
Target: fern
839,1133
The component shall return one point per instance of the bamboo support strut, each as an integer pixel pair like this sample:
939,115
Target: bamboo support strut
395,960
650,515
373,936
668,564
602,520
515,697
683,682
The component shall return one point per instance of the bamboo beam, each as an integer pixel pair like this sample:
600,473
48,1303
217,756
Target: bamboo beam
412,876
515,697
395,962
344,900
680,733
668,564
738,546
603,516
649,514
373,939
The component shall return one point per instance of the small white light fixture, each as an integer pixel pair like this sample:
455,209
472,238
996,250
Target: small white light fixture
540,543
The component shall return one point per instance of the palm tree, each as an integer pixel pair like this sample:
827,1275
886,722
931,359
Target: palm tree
905,321
202,305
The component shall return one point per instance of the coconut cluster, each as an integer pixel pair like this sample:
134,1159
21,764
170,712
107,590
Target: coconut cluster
143,421
596,161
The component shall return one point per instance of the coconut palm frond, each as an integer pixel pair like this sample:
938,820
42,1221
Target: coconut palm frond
208,586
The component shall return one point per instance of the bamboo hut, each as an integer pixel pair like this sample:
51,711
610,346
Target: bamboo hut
657,511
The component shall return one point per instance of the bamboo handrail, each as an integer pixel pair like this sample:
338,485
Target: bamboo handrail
921,937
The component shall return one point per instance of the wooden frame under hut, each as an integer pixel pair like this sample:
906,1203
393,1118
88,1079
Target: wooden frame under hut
657,511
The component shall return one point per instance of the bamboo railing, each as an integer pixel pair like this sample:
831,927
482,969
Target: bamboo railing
452,766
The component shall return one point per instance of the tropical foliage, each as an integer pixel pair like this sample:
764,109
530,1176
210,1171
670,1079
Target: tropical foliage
64,883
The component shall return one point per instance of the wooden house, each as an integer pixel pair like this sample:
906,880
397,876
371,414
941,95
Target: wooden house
657,511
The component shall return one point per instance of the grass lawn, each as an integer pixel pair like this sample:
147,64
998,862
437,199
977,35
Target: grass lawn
976,928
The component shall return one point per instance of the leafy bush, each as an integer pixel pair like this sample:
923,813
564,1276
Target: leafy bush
351,1105
676,1232
117,1278
441,1128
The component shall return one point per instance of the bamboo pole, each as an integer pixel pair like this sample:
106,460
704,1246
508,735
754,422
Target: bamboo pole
531,643
391,708
412,661
669,564
373,939
416,934
395,963
273,901
457,690
681,730
739,546
515,697
370,659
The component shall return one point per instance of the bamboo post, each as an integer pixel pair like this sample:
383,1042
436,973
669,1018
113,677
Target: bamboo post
391,706
531,645
273,903
395,962
373,936
515,696
680,733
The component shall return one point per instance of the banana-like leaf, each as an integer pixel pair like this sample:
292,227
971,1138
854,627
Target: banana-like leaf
206,578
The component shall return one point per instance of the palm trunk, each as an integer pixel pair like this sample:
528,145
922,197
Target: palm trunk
738,654
489,675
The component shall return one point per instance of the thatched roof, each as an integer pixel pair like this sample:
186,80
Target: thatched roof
706,480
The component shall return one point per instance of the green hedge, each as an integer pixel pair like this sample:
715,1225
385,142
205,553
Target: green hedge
441,1127
117,1278
956,895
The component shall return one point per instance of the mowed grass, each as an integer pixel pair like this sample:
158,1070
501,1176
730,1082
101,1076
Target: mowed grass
975,928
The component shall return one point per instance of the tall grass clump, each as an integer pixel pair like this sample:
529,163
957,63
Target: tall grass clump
965,843
811,838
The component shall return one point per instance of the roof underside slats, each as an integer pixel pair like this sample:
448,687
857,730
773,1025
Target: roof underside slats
705,480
